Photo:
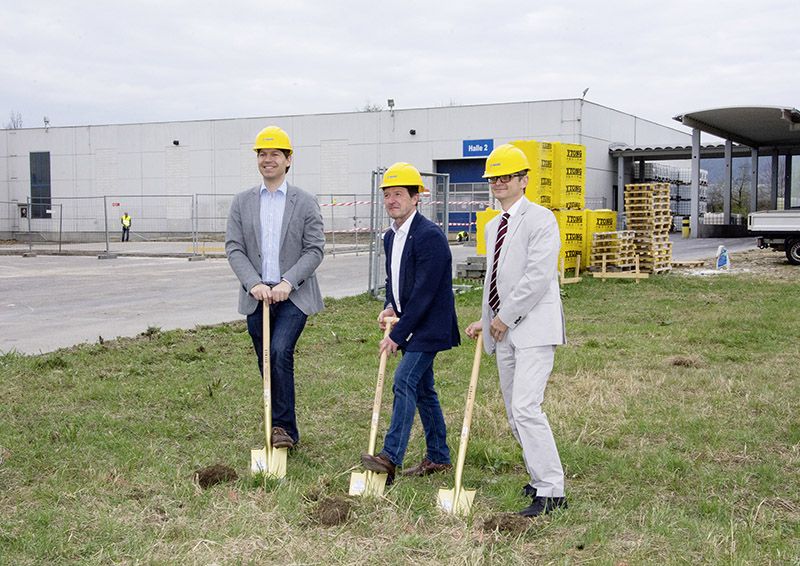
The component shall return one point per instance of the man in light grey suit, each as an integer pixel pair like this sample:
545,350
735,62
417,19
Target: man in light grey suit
522,320
274,243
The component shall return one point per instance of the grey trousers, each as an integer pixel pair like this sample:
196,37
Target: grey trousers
523,377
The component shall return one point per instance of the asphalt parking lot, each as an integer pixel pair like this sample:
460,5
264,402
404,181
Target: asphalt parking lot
54,301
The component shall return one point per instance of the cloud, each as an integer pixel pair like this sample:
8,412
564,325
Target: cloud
88,63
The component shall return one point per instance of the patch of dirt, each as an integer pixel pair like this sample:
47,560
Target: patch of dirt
509,523
769,263
212,475
686,361
332,511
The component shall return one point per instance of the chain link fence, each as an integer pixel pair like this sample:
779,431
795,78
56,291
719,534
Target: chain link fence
352,221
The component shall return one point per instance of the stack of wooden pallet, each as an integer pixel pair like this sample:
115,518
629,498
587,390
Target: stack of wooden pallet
613,251
648,215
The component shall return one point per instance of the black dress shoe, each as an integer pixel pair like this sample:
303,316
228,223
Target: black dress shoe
380,464
528,490
543,506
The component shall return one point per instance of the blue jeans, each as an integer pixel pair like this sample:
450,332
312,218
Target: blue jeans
413,390
286,322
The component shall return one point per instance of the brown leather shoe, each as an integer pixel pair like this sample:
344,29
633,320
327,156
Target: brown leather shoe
380,464
281,438
425,468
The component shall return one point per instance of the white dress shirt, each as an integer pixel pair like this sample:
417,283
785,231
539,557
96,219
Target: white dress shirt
272,204
400,236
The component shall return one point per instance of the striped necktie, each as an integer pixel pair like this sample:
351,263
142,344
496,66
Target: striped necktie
494,298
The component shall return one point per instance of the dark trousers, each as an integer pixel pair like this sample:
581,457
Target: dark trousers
414,391
126,234
286,324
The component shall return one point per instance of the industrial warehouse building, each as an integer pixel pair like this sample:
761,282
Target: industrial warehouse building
174,176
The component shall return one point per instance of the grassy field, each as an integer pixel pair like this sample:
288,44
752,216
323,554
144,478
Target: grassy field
675,407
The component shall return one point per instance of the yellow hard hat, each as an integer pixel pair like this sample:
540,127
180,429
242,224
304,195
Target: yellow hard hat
272,137
505,160
403,175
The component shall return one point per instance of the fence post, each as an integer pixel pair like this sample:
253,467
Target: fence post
195,230
355,221
333,227
30,233
107,254
60,225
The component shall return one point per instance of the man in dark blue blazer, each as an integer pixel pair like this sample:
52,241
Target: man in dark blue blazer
419,290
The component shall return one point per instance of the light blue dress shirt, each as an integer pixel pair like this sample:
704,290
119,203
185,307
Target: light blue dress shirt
271,212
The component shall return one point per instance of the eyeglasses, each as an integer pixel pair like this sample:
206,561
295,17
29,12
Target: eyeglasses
504,178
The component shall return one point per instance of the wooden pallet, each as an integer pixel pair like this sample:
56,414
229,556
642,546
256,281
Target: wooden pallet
634,274
576,278
689,263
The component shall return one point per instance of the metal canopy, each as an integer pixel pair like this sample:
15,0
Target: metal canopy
667,153
753,126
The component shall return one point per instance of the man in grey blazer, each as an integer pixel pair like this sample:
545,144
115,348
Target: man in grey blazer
522,320
274,243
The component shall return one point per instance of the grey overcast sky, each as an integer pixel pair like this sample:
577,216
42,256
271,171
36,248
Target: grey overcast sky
98,62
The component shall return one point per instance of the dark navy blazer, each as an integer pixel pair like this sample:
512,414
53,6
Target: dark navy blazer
428,320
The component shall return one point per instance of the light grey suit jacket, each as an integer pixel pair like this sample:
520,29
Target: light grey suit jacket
527,279
301,248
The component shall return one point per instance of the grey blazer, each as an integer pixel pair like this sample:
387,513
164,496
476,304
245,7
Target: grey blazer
301,248
527,279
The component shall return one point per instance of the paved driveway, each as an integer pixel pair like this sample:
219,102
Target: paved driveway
49,302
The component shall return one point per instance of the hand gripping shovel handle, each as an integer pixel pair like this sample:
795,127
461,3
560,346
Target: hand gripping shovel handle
462,445
376,403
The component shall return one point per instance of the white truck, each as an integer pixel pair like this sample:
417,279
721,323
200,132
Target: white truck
777,229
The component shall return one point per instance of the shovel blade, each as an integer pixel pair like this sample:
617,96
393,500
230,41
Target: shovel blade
258,461
358,483
276,467
460,504
368,484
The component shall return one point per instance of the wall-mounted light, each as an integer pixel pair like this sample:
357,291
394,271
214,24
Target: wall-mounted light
176,142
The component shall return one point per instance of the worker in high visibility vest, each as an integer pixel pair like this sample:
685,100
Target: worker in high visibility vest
126,227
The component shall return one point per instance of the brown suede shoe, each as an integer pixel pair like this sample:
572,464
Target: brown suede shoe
281,438
380,464
425,468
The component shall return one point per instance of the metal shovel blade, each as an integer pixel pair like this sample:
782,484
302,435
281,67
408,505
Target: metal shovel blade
368,484
453,504
277,467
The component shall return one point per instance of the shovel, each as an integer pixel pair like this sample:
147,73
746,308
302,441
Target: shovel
268,460
458,501
371,483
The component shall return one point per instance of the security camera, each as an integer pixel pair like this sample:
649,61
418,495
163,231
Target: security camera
412,132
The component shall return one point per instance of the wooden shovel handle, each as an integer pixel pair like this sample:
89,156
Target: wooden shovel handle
376,403
266,377
473,384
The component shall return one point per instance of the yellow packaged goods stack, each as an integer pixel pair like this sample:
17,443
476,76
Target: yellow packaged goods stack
531,150
569,176
481,218
571,226
545,175
539,188
648,215
601,220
